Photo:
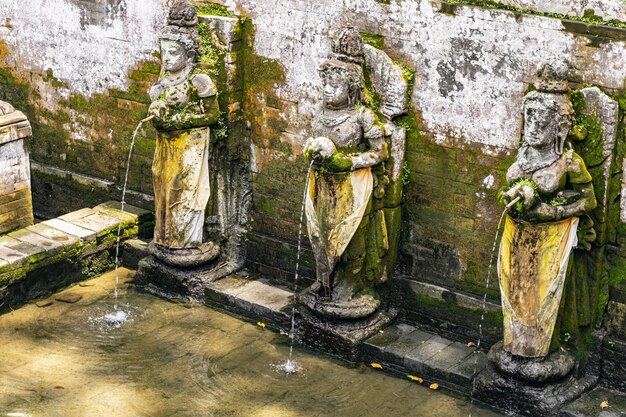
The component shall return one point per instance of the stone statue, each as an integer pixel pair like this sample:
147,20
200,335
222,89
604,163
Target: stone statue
352,157
552,258
555,193
184,105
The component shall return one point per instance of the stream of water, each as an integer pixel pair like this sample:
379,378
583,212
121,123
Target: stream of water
484,304
118,317
290,366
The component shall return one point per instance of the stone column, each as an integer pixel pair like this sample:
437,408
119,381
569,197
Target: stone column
16,206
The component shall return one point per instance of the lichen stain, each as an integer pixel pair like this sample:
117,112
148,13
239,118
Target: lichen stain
262,107
464,62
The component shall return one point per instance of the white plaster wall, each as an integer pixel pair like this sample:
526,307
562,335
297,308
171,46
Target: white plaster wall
607,9
471,69
89,44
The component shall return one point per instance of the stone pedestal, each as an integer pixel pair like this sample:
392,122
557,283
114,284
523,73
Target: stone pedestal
340,337
175,282
534,387
16,207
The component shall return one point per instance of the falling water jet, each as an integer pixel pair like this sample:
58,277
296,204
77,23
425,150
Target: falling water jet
292,367
484,302
118,317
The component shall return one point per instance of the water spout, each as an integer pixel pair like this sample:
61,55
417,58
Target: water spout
512,203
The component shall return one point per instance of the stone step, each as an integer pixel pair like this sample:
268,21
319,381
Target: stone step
590,405
83,234
35,251
255,299
410,350
133,251
399,347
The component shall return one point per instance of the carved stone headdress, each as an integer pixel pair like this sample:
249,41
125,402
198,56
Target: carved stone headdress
551,95
346,59
182,22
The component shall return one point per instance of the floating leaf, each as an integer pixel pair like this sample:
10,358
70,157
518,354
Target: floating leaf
381,331
376,365
260,324
415,378
433,386
471,344
604,404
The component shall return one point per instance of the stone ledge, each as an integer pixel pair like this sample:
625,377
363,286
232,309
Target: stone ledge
412,351
463,300
589,405
85,180
49,255
570,24
255,299
401,347
14,126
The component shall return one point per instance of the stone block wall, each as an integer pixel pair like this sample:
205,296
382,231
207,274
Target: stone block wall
16,207
472,67
80,70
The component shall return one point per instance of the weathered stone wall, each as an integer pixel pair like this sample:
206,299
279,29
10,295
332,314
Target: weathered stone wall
80,70
472,67
605,9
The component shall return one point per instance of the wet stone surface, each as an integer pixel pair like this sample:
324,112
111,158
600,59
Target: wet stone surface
412,350
270,304
69,297
156,358
600,402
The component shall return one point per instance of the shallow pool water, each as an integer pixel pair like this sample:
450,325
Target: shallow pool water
156,358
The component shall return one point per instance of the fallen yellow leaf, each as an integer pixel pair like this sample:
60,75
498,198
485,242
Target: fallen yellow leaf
604,404
434,386
260,324
376,365
415,378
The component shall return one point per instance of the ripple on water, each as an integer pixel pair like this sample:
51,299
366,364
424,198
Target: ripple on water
152,357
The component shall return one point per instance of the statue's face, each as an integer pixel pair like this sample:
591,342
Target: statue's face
336,91
173,55
541,125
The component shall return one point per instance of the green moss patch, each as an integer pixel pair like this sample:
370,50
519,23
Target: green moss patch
587,18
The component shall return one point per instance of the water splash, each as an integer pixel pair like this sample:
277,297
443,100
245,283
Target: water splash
484,303
123,204
112,320
290,366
